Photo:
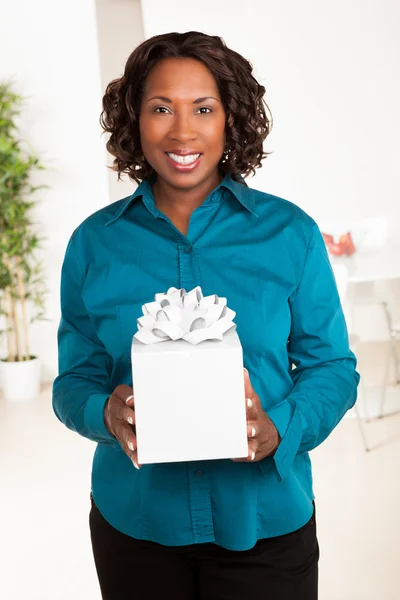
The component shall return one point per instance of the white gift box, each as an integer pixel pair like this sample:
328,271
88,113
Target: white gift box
189,397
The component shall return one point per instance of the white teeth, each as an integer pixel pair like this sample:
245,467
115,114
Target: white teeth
183,160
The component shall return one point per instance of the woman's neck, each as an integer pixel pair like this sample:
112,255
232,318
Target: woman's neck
182,202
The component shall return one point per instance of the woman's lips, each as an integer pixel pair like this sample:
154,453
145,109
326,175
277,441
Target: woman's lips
183,168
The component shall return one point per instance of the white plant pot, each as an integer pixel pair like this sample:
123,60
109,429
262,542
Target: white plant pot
20,380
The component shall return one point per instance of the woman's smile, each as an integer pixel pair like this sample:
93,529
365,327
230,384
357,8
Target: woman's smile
185,163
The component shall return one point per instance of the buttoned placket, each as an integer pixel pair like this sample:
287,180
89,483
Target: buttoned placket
189,277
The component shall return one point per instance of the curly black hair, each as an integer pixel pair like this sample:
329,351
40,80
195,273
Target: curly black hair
248,118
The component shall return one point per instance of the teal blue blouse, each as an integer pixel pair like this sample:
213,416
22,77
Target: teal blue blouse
267,257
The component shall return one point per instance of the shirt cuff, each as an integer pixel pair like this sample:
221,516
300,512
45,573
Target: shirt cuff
286,418
94,420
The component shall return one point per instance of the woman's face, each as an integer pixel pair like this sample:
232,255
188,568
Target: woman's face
189,117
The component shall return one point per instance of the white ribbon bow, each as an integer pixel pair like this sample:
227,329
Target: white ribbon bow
184,315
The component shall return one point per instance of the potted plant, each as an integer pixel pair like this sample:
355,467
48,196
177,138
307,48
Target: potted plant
22,290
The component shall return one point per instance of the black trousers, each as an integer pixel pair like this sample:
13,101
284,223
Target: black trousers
280,568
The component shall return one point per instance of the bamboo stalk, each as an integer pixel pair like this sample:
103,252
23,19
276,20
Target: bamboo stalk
10,317
9,326
16,329
13,317
21,290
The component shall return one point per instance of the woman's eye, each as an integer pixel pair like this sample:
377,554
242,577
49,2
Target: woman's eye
159,108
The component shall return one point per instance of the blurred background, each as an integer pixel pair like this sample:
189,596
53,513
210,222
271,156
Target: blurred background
331,73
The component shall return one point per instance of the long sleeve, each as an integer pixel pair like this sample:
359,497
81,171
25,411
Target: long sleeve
82,386
325,377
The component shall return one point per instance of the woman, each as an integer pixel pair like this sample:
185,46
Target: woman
187,121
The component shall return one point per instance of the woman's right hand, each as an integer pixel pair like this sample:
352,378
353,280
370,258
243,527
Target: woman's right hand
119,417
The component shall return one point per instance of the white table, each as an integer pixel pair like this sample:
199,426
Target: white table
371,264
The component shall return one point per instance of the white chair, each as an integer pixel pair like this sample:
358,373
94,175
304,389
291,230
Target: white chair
340,272
384,297
394,332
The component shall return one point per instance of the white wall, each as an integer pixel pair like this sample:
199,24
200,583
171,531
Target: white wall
50,49
120,30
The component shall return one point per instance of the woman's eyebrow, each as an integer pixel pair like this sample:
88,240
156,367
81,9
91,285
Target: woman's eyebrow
168,100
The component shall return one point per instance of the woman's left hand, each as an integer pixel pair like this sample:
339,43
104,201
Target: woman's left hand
261,432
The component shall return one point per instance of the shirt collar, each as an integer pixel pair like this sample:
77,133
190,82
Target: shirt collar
241,191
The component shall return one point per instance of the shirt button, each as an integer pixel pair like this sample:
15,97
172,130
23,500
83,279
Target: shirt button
188,249
199,473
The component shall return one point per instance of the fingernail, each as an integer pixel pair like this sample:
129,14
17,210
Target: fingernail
130,446
128,398
253,432
253,455
130,420
245,369
135,464
249,403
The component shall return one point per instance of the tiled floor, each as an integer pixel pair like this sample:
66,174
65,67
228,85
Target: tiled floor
45,551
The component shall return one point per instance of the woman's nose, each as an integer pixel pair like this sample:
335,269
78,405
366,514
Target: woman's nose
183,128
